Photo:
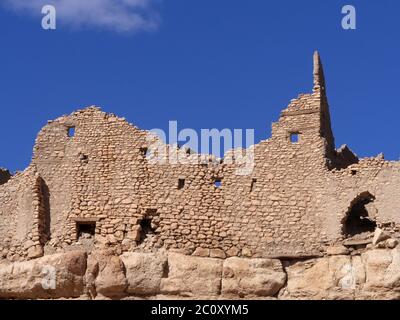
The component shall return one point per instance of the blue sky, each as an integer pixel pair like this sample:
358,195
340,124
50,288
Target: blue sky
207,64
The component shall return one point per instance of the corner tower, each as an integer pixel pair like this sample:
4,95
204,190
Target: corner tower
305,124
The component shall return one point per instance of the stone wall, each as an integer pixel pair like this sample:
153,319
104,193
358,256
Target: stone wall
90,183
19,211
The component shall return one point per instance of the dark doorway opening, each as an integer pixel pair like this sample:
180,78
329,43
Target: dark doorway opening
359,220
148,225
85,229
145,224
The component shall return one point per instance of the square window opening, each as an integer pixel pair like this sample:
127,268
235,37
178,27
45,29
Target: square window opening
294,137
85,230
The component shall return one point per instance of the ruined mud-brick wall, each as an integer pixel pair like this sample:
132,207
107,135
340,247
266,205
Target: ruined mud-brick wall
91,167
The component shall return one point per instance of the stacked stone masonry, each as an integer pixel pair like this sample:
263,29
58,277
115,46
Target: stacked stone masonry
91,185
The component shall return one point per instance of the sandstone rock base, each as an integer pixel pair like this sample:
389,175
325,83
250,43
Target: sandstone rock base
375,274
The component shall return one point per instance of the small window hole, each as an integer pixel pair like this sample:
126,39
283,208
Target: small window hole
144,151
84,158
71,132
218,183
181,184
294,137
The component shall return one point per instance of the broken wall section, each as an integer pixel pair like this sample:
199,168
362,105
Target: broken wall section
372,185
20,199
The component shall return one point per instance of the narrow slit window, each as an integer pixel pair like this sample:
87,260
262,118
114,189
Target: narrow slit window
253,185
294,137
71,132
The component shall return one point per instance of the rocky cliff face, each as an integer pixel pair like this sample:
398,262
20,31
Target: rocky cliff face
373,274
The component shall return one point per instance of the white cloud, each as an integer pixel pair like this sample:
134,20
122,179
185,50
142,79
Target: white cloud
117,15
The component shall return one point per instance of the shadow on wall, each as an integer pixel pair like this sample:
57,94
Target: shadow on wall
45,216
